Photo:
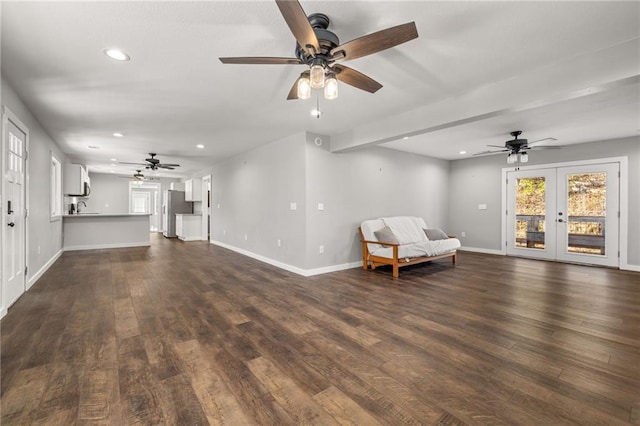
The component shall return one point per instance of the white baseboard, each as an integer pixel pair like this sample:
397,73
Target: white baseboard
3,311
627,267
190,238
107,246
285,266
45,267
482,250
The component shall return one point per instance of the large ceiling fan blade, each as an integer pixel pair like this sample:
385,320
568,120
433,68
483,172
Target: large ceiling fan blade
376,42
543,147
356,78
489,152
253,60
134,164
169,164
496,146
165,166
543,140
299,25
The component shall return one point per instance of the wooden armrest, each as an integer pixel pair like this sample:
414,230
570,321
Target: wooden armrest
382,243
451,236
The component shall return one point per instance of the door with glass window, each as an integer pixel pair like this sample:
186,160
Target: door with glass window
567,213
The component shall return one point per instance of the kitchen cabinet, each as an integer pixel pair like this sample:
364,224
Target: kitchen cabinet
76,180
193,190
189,226
176,186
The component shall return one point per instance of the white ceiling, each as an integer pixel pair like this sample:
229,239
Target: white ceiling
478,70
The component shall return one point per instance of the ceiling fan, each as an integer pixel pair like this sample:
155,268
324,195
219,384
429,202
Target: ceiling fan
517,147
139,177
319,49
153,163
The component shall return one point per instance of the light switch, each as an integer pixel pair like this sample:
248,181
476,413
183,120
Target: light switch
293,206
320,206
321,249
482,206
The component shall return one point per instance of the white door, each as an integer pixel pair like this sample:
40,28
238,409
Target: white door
566,213
531,206
587,218
14,210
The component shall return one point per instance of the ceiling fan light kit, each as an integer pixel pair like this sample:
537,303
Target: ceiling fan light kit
319,49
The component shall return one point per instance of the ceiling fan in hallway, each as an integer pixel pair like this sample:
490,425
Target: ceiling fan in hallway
320,49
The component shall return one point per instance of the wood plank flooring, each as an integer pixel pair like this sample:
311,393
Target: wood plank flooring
193,334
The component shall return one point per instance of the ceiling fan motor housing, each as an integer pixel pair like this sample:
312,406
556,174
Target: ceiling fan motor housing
326,39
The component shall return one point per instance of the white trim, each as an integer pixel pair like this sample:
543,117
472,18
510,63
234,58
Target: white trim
627,267
623,224
287,267
189,238
482,250
44,269
3,312
107,246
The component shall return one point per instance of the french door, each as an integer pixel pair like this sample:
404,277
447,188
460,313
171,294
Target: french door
569,214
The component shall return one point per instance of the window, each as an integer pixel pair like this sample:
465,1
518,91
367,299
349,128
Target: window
55,191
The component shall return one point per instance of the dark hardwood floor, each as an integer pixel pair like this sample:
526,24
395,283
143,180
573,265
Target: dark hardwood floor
193,334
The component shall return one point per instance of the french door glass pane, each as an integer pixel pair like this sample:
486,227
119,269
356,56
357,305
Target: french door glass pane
530,212
586,204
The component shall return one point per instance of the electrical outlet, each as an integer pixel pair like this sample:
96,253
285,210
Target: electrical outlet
246,237
463,234
321,249
293,206
224,232
320,206
279,243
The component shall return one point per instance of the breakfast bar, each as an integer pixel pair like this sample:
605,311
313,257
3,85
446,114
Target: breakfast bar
98,231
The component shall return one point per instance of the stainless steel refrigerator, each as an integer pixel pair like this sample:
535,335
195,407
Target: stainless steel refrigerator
173,203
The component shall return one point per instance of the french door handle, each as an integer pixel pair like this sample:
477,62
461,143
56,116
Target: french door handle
560,220
11,224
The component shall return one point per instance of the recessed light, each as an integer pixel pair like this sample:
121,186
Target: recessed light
94,147
118,135
113,165
114,159
112,171
462,152
405,138
116,54
200,146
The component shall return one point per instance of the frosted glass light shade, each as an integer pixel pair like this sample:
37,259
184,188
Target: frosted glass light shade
524,157
317,77
331,87
511,158
304,88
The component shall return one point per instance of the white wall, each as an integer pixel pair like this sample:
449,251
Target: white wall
367,184
478,180
45,236
255,190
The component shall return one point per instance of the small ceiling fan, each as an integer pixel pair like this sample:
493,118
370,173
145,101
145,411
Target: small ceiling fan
517,145
319,49
138,177
153,163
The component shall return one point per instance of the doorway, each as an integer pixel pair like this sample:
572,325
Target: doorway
144,198
15,144
568,214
